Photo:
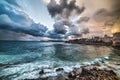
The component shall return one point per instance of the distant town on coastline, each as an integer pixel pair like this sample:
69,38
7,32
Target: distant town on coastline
96,40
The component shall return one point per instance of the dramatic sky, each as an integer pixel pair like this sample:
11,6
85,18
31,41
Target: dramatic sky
58,19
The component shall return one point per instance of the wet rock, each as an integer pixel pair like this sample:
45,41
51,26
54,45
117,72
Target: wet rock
41,72
85,72
92,74
112,72
97,64
1,65
71,75
5,65
59,69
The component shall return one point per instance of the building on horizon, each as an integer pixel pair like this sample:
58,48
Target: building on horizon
116,39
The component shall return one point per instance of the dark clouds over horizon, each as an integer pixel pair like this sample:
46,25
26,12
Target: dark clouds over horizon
14,20
55,9
70,18
62,13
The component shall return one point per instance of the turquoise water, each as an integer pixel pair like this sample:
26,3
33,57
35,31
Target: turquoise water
21,60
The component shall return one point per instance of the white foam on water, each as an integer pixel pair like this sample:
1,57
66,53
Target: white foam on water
31,70
31,75
107,57
52,74
28,70
48,70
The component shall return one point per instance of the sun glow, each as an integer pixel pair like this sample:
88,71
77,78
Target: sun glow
116,29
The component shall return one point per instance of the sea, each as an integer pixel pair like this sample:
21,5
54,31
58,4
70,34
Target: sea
21,60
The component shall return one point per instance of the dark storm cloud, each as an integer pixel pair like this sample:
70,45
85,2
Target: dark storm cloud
55,9
101,11
10,35
59,28
111,22
116,10
74,30
32,29
85,31
15,15
78,32
104,12
116,6
14,20
66,28
109,17
54,34
61,13
83,19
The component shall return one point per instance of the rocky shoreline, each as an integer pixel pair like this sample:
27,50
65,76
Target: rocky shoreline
92,72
